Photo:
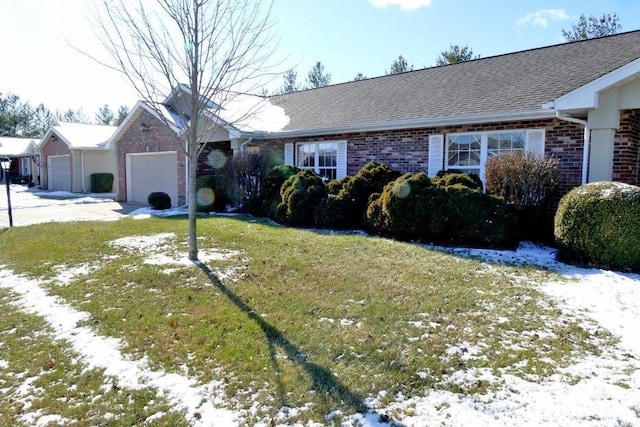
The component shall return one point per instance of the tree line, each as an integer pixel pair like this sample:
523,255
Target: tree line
19,118
586,28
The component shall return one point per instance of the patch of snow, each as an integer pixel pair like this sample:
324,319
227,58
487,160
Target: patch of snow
103,352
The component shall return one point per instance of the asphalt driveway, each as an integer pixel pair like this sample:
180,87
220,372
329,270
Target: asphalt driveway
32,206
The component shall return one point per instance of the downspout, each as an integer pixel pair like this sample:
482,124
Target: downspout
244,144
84,188
587,140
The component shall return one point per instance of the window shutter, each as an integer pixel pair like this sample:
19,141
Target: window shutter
288,154
341,171
535,141
436,154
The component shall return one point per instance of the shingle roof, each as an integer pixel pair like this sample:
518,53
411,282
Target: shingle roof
520,81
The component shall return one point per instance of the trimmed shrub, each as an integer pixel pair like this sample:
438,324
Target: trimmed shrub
300,195
159,200
270,190
348,198
101,182
477,182
450,178
599,224
412,207
210,194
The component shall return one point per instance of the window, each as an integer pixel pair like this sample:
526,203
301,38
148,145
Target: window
324,158
469,152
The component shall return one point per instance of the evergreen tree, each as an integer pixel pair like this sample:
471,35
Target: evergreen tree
399,65
455,54
290,83
105,115
592,27
317,77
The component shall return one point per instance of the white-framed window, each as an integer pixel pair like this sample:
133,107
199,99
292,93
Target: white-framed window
469,151
326,158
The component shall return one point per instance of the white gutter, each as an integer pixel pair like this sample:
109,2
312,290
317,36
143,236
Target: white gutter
244,144
587,138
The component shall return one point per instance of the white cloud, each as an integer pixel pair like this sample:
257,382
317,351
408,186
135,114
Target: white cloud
541,17
404,4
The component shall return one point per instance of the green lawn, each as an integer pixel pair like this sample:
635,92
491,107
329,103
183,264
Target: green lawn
283,317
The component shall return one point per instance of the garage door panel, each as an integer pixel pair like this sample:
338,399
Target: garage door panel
59,168
147,173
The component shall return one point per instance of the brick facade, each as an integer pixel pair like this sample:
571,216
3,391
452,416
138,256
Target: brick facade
626,156
408,150
147,134
213,157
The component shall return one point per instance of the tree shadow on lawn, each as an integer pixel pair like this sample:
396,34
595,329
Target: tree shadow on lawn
323,381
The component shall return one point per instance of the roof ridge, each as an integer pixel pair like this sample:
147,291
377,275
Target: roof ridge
354,82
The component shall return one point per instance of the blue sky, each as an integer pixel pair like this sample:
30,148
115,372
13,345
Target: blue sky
347,36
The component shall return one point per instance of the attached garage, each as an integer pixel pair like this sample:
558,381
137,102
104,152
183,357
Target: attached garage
59,172
150,172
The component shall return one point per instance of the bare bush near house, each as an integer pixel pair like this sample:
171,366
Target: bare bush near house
524,179
247,173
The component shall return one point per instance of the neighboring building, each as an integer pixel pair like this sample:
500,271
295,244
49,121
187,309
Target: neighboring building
71,152
24,160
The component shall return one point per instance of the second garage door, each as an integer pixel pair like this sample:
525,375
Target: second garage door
150,172
59,172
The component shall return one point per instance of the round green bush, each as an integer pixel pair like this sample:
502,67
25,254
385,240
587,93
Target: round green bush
159,200
412,207
458,178
270,190
599,224
348,198
300,196
210,195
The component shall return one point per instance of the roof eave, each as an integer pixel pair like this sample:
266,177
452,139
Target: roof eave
586,96
409,124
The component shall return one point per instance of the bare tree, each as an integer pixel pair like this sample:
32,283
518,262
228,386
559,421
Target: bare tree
215,48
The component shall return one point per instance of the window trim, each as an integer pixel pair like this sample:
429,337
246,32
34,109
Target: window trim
484,146
341,155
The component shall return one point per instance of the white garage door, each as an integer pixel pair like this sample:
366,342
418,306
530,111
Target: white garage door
150,172
59,172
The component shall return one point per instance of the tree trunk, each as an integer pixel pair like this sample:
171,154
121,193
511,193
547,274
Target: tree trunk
193,235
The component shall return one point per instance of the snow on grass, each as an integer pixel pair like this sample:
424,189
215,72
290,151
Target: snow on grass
102,352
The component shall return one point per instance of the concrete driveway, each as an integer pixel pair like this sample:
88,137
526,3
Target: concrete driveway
32,206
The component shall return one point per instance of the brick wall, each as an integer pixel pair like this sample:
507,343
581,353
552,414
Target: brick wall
213,157
408,150
155,136
626,155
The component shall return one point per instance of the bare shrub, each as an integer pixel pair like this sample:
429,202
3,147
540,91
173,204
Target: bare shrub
526,180
246,175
